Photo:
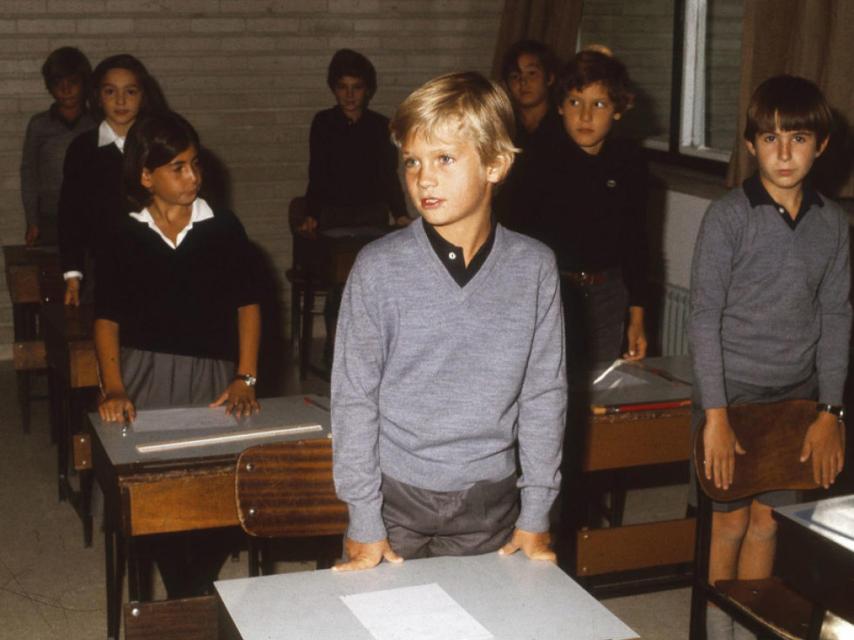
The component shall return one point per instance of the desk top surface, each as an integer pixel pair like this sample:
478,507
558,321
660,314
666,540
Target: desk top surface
653,380
19,254
831,519
169,425
507,597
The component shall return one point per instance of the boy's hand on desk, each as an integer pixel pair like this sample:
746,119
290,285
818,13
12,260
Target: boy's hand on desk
239,399
366,555
825,444
116,407
537,546
720,446
72,292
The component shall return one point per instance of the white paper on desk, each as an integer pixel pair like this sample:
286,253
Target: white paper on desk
183,419
425,612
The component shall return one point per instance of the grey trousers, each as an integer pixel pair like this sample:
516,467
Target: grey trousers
424,524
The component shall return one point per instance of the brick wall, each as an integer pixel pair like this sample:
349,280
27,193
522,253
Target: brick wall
249,74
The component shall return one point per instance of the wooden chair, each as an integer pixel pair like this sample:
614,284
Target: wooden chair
772,434
185,619
303,290
285,490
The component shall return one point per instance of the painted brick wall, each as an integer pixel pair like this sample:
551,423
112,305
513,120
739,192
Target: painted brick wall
248,73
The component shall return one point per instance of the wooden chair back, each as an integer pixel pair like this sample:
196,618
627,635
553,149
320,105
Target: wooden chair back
286,490
183,619
772,435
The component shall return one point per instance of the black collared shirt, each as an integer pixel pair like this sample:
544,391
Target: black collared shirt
758,195
452,256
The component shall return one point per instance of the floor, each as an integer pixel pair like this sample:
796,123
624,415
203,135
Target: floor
51,587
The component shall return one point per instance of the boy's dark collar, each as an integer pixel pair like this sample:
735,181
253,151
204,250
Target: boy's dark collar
758,195
456,266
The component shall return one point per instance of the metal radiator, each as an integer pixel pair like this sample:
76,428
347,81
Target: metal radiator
673,323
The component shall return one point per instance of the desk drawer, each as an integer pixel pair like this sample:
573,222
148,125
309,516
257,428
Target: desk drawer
180,501
635,439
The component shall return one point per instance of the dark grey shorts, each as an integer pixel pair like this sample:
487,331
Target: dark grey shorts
744,393
423,523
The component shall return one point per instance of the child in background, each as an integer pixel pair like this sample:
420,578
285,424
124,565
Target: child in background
176,308
592,212
352,172
770,318
90,200
528,71
450,357
66,74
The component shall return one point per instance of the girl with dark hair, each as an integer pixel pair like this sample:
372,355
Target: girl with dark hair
90,200
177,318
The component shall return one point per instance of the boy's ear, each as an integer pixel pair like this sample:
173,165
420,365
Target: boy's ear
750,148
822,146
498,168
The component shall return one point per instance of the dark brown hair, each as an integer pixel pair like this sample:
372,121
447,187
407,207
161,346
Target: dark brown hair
66,62
347,62
153,100
541,51
153,141
588,67
790,103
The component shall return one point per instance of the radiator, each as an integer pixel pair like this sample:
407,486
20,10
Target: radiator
673,323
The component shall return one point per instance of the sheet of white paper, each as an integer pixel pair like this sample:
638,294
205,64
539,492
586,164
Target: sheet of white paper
183,419
425,612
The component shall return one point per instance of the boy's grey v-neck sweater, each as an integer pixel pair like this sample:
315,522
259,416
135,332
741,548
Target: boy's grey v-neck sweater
434,384
769,304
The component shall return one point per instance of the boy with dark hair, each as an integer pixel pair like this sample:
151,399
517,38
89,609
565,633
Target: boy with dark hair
592,212
449,358
770,317
528,72
66,74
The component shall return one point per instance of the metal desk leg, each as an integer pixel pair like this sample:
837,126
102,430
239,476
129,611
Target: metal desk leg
115,562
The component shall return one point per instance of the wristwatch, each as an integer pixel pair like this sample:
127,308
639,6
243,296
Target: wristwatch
247,378
836,410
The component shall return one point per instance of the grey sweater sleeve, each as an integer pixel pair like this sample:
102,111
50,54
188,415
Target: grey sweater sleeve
710,280
542,408
356,377
835,309
30,175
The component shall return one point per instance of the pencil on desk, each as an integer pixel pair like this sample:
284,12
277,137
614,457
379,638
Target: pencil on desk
602,410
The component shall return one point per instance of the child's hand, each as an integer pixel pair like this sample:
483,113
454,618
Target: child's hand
72,292
635,335
720,445
116,407
366,555
239,399
825,443
537,546
402,221
308,225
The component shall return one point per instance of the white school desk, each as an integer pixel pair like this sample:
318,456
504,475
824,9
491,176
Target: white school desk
512,597
815,553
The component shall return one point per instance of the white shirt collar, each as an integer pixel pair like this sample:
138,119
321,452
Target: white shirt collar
201,211
106,136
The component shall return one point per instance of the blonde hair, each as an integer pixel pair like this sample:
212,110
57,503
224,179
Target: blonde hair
477,108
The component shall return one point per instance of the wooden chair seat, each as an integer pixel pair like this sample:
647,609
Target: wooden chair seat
183,619
771,603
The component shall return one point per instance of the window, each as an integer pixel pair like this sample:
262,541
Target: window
684,58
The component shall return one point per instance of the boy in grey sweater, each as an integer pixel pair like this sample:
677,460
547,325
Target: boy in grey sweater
770,317
449,356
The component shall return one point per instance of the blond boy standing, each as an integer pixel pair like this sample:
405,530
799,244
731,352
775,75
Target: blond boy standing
449,359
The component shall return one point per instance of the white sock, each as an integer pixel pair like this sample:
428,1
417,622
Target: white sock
719,626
